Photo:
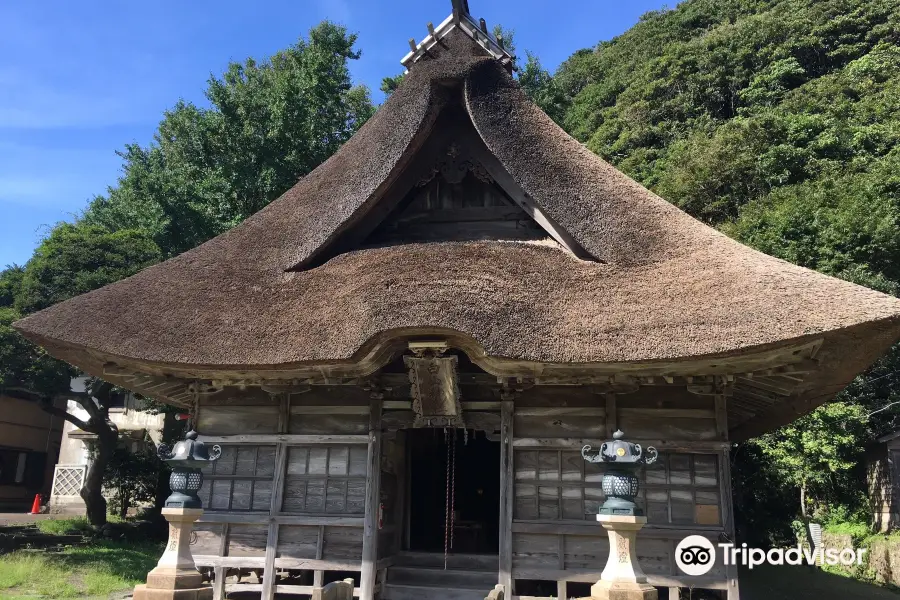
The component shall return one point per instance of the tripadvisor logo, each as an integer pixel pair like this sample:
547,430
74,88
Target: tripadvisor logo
696,555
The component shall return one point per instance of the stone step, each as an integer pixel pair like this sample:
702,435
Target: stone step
418,592
438,577
468,562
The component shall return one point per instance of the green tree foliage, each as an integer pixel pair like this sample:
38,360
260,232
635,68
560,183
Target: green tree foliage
268,124
778,122
132,477
75,259
72,260
390,84
26,370
10,282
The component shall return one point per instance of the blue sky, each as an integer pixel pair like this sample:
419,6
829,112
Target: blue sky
78,80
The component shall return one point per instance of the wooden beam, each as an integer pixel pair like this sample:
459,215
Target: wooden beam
721,414
578,443
285,438
281,451
219,574
591,576
727,503
373,492
259,562
269,574
507,475
612,415
265,519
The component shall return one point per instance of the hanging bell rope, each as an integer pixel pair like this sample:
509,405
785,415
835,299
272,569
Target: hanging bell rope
453,489
447,503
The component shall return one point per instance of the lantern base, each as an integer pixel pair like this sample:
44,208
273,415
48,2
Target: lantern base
622,579
176,577
611,590
142,592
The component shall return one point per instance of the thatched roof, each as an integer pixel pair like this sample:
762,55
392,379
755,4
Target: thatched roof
662,287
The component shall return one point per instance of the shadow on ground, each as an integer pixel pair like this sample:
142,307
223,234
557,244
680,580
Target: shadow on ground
804,583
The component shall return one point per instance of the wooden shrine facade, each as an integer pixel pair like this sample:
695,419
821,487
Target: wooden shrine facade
299,492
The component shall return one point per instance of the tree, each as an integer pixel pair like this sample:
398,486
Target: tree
390,84
75,259
542,88
132,477
10,282
72,260
268,125
779,123
817,452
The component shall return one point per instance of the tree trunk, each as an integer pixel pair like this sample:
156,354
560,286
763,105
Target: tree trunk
92,492
803,501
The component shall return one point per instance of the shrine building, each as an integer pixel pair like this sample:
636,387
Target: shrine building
403,355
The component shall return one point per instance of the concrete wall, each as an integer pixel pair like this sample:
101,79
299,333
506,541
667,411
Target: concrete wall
131,418
24,427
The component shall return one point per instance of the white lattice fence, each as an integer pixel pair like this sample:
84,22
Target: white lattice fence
68,480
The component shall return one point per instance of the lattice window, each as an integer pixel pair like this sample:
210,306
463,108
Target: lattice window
560,485
68,480
241,480
325,480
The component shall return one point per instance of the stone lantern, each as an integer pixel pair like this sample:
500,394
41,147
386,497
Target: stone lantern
622,578
175,575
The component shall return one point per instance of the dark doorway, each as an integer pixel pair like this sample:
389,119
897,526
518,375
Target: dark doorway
477,485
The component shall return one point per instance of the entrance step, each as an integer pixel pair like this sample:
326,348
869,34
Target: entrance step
416,592
421,576
483,581
468,562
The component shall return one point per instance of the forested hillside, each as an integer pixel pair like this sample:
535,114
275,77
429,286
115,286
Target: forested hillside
777,121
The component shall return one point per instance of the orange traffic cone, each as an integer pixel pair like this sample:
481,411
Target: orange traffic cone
36,507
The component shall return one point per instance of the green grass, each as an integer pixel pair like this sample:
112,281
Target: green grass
69,526
92,571
64,526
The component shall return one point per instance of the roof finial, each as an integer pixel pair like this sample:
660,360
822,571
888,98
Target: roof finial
460,9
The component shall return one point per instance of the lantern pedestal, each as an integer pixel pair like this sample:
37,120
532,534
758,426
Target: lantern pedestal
175,576
622,579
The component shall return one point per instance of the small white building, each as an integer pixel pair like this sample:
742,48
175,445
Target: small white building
135,425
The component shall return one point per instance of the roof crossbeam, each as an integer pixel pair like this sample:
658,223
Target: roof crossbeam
460,19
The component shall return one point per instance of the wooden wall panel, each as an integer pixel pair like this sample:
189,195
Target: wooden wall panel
559,426
325,479
306,424
535,551
297,541
343,543
232,420
207,539
583,552
653,425
247,540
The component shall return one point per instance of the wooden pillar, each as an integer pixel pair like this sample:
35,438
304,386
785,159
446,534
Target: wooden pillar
612,418
731,571
507,475
268,591
219,583
373,492
674,593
